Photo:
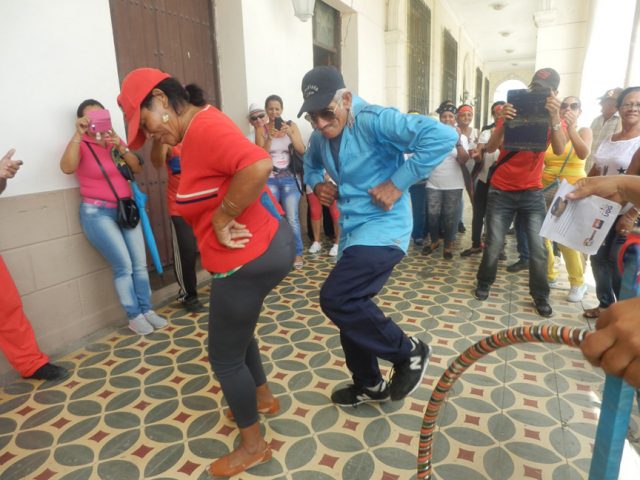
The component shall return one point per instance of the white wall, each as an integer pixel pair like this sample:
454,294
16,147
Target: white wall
54,55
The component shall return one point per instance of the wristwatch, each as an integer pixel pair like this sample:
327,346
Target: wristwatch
126,150
556,126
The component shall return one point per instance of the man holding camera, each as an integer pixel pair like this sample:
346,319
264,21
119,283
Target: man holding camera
516,188
17,340
361,147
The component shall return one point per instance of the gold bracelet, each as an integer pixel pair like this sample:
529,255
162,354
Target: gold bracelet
76,141
230,207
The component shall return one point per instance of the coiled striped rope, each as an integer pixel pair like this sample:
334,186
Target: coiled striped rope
511,336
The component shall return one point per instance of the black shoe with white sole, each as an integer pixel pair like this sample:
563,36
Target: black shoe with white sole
354,395
407,376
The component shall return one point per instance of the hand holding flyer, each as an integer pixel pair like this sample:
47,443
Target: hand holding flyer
579,224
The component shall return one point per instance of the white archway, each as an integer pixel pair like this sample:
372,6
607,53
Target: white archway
501,90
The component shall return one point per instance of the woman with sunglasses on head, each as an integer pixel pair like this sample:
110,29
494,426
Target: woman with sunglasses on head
278,138
569,166
101,161
244,241
616,155
444,189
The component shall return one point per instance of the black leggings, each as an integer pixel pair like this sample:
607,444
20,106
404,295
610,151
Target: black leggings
184,258
234,310
479,210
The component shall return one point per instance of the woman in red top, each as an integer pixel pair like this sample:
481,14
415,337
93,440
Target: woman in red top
244,241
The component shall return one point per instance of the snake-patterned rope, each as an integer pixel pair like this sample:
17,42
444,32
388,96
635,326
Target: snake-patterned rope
511,336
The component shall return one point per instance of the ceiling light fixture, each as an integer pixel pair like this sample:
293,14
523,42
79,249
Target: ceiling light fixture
505,33
498,6
509,50
303,9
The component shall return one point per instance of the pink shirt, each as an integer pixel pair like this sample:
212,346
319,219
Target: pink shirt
92,182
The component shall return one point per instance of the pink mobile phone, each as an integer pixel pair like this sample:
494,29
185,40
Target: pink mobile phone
99,121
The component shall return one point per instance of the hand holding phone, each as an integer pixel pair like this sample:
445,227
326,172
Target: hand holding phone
277,123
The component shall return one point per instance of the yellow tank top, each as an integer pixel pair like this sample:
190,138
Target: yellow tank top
573,170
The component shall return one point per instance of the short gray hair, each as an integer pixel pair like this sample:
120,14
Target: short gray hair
339,94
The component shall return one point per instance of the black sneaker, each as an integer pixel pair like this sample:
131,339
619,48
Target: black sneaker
518,266
407,376
354,395
481,293
192,305
49,371
543,307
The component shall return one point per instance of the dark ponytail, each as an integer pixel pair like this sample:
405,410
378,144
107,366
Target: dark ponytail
177,95
196,95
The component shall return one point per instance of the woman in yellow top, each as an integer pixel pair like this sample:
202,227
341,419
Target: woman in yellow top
575,153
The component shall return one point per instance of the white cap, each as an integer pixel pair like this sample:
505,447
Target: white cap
254,107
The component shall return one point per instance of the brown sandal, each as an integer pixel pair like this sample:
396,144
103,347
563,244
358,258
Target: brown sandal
591,313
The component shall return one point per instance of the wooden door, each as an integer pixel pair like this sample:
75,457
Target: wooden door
176,36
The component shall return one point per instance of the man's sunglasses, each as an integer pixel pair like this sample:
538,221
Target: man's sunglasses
327,114
253,118
572,106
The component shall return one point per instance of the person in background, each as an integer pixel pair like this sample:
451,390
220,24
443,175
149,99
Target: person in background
615,344
464,119
315,211
569,166
481,189
185,250
361,147
616,155
418,193
244,241
283,182
444,189
516,189
259,120
86,155
17,339
605,124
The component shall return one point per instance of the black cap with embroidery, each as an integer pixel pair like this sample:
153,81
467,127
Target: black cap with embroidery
546,77
319,86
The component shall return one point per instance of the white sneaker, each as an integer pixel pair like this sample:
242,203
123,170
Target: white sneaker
576,293
140,325
315,247
554,284
155,320
334,250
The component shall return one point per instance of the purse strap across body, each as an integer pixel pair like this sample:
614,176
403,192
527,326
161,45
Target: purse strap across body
103,171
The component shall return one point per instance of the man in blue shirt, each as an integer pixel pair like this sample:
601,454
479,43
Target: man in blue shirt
361,147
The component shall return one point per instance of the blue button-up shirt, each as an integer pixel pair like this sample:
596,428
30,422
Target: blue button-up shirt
371,152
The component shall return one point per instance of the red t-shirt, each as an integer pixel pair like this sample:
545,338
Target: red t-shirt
523,171
213,151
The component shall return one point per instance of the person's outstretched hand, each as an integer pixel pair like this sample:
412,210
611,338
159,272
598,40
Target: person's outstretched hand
9,167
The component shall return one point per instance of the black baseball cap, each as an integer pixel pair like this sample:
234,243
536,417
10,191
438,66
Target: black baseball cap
319,86
546,77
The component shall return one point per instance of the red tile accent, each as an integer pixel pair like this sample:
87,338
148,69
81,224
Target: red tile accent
265,348
226,430
318,338
406,439
61,422
215,390
480,368
321,385
142,451
106,394
435,359
173,351
472,419
25,411
530,356
419,307
466,454
301,412
142,370
530,376
350,425
169,328
389,476
141,405
301,355
182,417
328,461
80,356
428,381
46,475
5,457
339,363
280,375
583,388
589,415
477,391
188,468
98,436
411,320
528,402
113,339
72,384
199,334
448,325
577,364
143,344
532,472
284,332
204,359
531,434
177,379
442,341
276,444
416,407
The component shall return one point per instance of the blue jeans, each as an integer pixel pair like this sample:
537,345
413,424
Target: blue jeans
501,207
522,244
605,269
419,208
124,250
284,189
444,209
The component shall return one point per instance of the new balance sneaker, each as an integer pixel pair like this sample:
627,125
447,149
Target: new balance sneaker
140,325
481,292
407,376
354,395
315,247
155,320
50,372
334,250
542,307
192,305
576,293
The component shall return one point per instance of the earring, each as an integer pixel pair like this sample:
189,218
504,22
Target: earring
165,117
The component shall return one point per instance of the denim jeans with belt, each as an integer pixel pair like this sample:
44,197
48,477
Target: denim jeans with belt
124,250
502,206
283,187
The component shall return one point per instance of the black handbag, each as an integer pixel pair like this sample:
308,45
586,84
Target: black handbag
128,215
296,166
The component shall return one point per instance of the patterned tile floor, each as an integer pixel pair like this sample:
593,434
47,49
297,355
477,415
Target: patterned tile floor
149,408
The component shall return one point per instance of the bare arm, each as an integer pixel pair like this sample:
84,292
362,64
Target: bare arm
558,138
580,139
71,156
296,138
159,154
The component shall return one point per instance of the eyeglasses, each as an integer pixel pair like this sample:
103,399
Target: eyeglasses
629,106
253,118
327,114
572,106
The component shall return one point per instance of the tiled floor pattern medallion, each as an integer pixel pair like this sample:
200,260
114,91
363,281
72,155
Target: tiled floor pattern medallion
149,408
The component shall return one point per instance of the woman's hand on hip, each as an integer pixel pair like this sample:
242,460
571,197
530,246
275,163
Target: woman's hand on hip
231,234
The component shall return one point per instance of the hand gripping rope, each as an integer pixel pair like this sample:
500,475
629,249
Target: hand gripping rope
616,401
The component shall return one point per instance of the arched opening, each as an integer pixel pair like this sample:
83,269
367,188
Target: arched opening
504,87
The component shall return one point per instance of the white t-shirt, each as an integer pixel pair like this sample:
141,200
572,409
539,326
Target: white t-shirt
489,158
448,175
613,158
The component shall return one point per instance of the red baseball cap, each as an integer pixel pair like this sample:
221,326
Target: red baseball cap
135,88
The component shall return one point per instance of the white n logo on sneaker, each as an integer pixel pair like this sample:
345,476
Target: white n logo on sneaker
416,363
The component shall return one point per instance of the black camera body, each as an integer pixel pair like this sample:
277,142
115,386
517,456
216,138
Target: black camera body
528,130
